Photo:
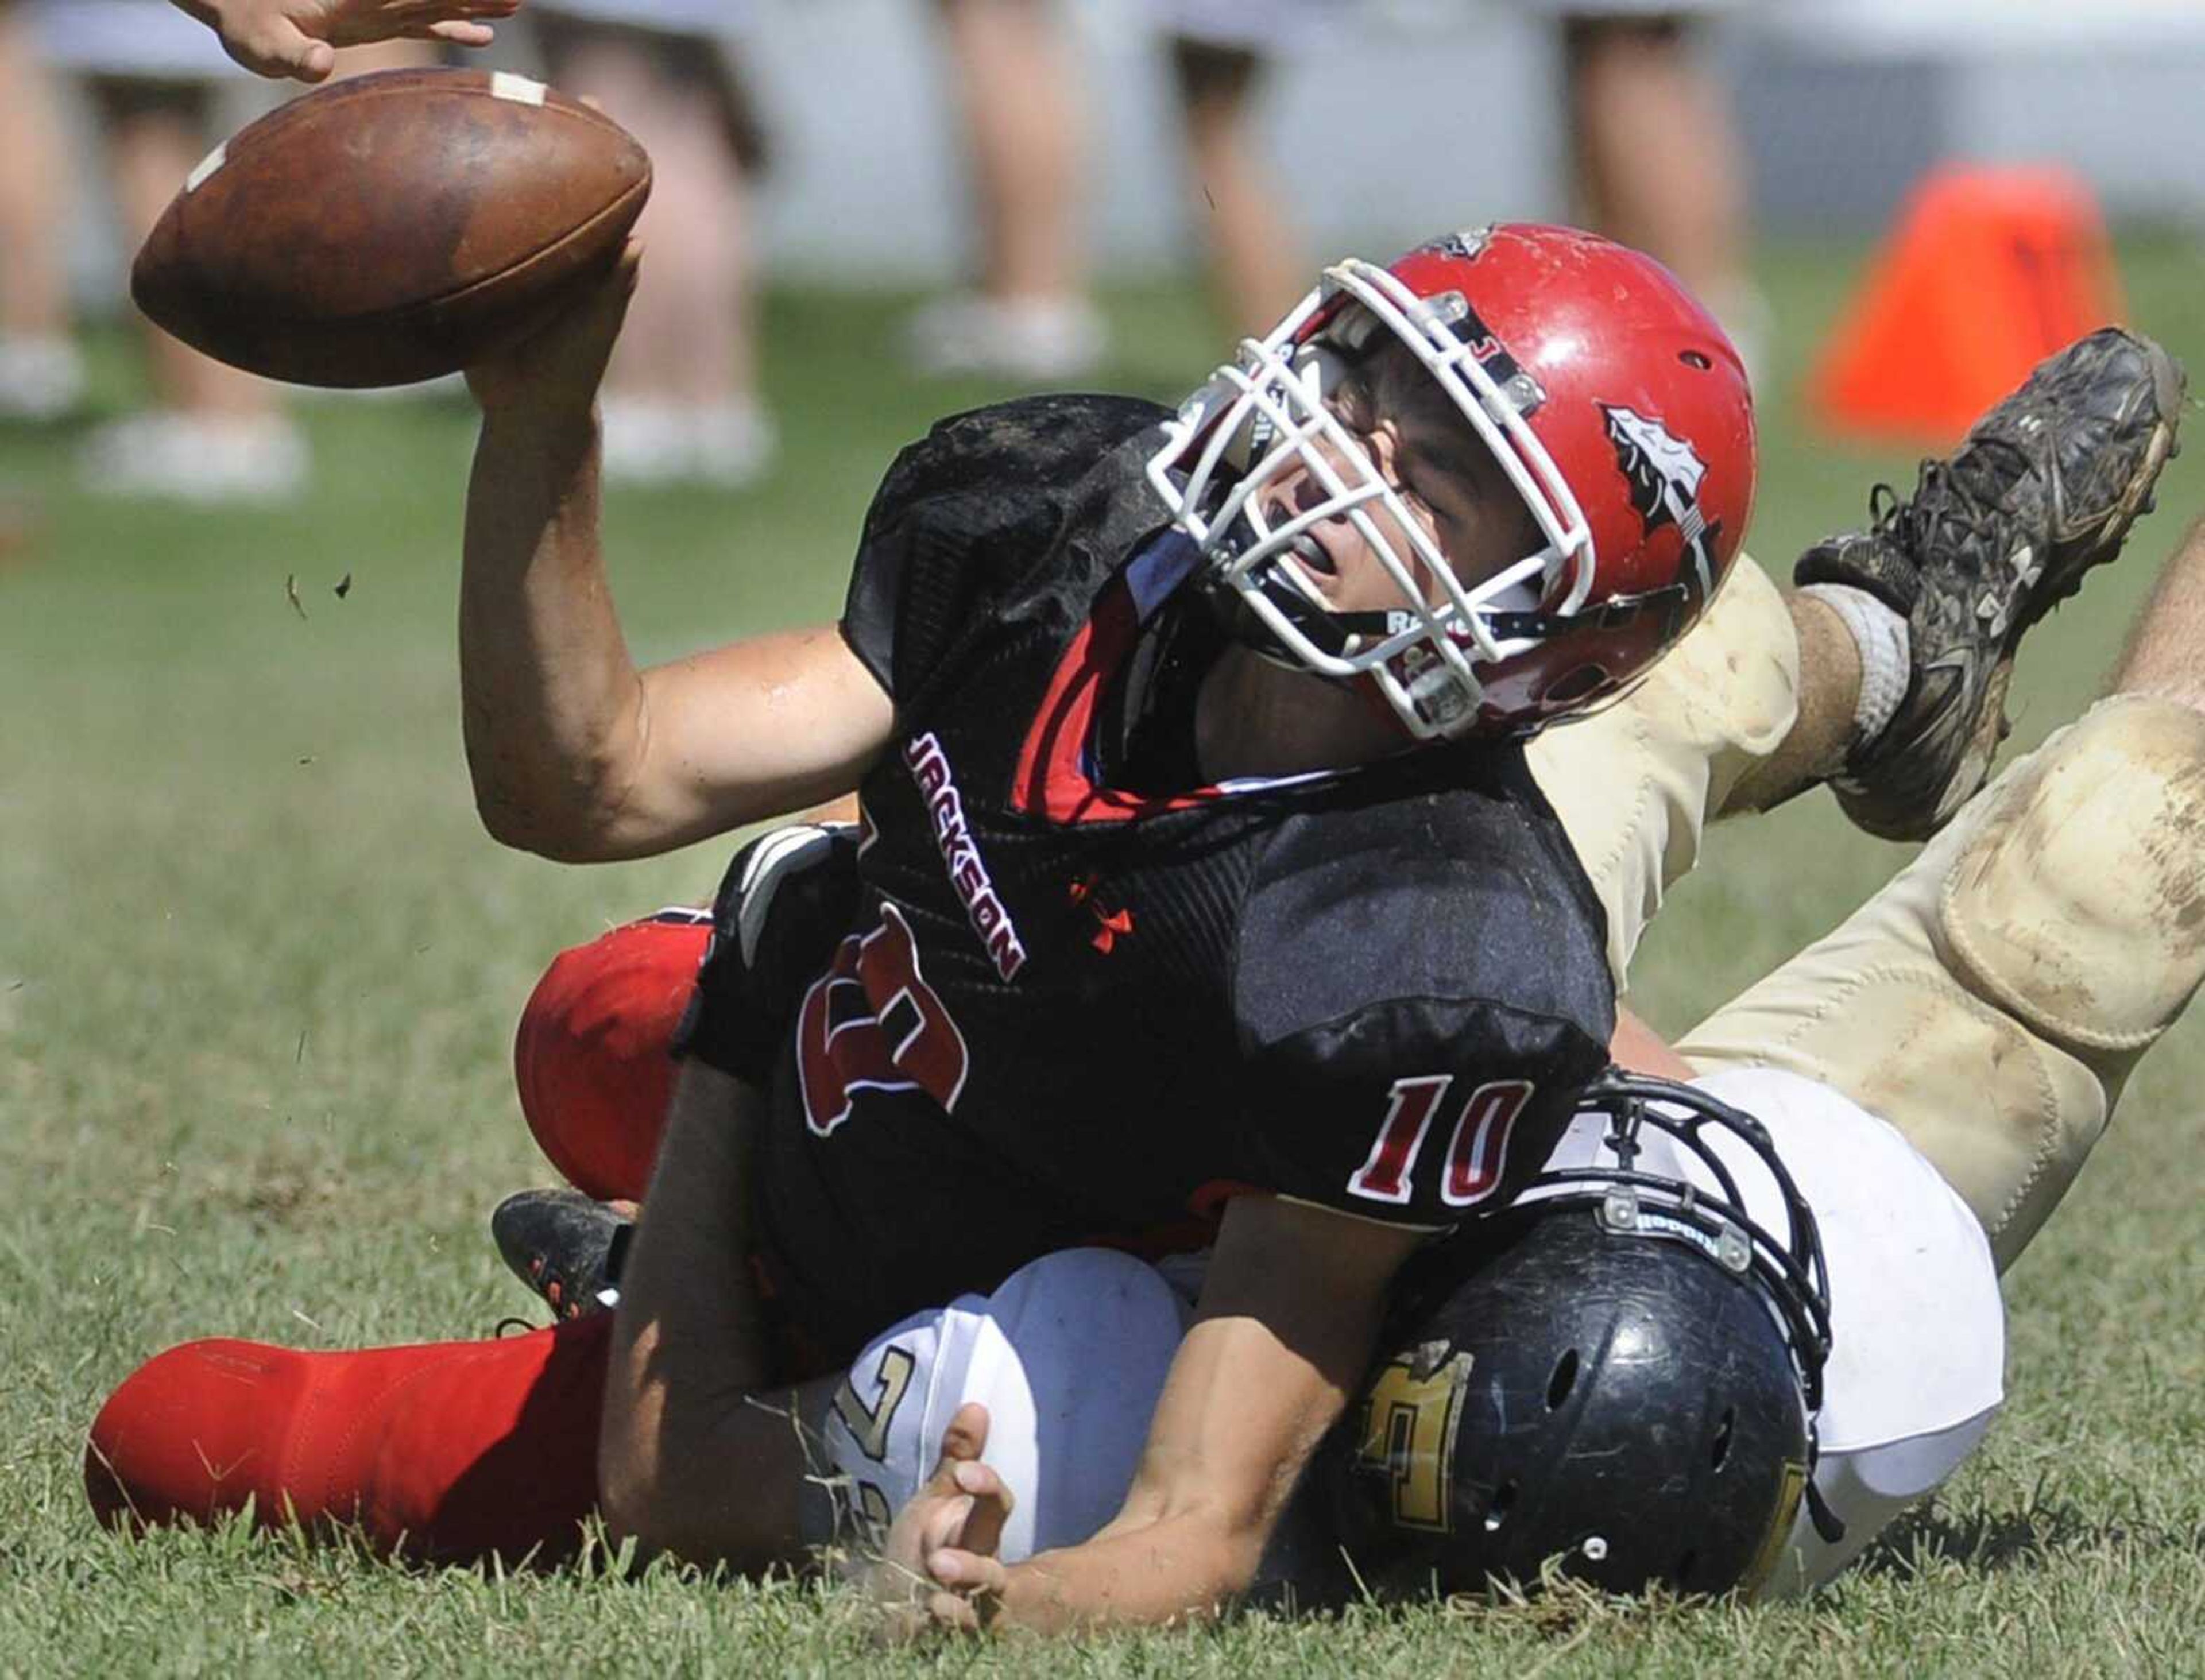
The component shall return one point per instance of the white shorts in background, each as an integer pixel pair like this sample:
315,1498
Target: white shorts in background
1626,8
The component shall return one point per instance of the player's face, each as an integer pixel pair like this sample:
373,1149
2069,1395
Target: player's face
1445,482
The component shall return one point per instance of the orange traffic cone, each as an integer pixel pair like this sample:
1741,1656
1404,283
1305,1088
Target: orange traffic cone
1989,270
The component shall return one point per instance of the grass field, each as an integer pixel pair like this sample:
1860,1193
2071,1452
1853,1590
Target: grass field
259,968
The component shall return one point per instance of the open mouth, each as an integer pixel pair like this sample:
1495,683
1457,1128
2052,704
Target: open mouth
1312,554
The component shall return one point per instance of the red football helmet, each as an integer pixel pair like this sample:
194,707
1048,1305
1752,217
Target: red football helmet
592,1056
1613,405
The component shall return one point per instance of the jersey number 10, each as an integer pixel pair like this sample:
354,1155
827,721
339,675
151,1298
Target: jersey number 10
1477,1153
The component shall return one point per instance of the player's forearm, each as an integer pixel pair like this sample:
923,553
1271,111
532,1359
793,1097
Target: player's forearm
678,1463
1180,1568
1288,1313
552,707
1637,1048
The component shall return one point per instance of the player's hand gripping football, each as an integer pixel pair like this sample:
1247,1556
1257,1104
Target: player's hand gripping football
940,1570
551,374
299,38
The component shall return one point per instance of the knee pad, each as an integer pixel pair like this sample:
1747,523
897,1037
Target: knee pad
2078,905
590,1056
2075,910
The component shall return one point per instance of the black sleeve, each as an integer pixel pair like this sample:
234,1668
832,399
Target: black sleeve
786,902
961,515
1413,1024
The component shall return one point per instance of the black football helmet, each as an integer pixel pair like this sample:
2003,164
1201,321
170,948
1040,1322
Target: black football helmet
1620,1371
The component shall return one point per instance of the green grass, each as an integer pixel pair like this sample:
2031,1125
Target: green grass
259,968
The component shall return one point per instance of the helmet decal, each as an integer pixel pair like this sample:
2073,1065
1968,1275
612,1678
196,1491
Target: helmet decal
1466,243
1664,473
1406,1432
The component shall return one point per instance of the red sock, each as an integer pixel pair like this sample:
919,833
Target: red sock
451,1451
591,1055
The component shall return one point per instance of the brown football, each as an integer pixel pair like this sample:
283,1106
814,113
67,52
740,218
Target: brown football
390,229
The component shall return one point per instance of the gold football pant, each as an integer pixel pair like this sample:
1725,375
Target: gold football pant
1991,1001
1635,785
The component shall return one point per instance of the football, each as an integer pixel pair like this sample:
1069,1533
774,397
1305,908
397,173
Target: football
390,229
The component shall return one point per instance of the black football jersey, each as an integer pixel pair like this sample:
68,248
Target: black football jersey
1053,1011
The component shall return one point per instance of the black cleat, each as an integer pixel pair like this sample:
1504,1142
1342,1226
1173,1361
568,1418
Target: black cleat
2044,488
565,1246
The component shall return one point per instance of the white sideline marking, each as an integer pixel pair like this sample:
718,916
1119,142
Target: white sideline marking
207,165
504,85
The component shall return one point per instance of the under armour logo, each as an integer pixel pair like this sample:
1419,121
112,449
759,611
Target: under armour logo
1111,925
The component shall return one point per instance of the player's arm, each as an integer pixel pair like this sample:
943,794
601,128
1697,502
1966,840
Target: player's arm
298,38
697,1456
1638,1049
575,753
1288,1312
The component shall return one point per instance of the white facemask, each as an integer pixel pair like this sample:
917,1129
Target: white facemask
1265,416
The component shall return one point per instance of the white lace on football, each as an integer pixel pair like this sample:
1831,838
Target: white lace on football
1265,414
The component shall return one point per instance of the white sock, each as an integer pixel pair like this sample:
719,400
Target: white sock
1885,655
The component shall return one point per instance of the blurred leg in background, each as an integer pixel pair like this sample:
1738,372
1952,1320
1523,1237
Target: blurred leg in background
1656,152
151,76
41,375
1221,53
1029,314
214,434
681,401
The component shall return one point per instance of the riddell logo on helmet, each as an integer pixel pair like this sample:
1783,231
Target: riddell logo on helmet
961,855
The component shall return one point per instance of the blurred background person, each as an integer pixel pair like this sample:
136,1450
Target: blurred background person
1655,157
150,76
1654,160
1221,51
1028,316
682,404
41,373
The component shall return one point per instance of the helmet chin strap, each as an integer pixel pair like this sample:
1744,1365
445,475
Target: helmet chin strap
1245,628
1277,585
1826,1523
1332,630
1333,633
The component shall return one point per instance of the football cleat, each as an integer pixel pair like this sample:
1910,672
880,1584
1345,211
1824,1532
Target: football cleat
565,1246
2044,488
